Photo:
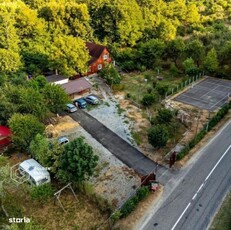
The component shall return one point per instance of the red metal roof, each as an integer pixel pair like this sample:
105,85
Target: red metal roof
95,51
4,135
76,86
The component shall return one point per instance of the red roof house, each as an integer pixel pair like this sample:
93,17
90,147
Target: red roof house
5,134
99,57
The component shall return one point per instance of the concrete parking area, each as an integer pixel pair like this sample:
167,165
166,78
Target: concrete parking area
209,94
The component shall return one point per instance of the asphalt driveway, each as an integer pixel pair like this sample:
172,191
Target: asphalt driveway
128,154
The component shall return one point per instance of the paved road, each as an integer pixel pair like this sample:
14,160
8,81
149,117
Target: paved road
193,203
128,154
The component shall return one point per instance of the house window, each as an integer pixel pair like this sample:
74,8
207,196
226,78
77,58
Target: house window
105,57
99,66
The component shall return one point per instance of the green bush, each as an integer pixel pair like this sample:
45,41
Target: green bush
164,116
142,193
158,136
162,89
42,192
131,204
116,216
148,99
149,90
127,208
154,84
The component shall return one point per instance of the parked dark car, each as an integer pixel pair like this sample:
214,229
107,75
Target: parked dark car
90,99
81,103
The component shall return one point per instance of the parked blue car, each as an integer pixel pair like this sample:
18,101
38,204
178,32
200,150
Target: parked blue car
80,103
90,99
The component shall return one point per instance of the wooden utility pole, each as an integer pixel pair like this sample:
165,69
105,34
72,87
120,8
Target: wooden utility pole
198,119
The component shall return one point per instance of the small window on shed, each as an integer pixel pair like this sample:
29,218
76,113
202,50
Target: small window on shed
99,66
105,57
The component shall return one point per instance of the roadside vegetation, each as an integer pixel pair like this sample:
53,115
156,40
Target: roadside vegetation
222,220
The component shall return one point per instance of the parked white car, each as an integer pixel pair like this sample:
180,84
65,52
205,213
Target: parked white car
71,108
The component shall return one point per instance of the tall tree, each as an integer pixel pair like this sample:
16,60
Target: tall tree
78,162
150,52
117,21
24,129
67,17
210,62
65,55
32,102
196,50
175,49
55,97
9,50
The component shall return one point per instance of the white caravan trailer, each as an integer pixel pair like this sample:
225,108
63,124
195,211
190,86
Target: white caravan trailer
35,172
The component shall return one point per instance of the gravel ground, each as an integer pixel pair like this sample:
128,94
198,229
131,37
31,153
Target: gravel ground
113,180
109,112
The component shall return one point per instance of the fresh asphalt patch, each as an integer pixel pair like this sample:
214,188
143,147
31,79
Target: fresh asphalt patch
125,152
209,94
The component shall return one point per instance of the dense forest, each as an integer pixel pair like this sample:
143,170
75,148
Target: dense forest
38,36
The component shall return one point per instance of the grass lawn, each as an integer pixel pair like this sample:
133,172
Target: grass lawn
222,220
135,84
80,214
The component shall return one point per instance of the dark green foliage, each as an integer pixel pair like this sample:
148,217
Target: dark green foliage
162,89
142,192
154,83
148,99
149,90
42,192
55,97
110,74
77,163
150,52
128,207
131,204
24,129
164,116
158,136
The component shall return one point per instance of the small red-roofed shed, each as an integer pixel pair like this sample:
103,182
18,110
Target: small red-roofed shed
5,136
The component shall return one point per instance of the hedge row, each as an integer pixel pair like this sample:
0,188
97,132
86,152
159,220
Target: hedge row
213,122
130,204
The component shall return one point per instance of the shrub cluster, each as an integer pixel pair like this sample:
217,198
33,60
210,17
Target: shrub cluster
42,192
131,204
213,122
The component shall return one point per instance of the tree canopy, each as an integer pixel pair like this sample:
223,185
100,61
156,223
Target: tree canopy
78,161
38,36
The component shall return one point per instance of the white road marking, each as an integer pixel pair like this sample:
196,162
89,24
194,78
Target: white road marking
218,163
194,196
180,216
174,226
200,188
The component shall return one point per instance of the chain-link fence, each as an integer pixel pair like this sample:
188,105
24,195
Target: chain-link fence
189,82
